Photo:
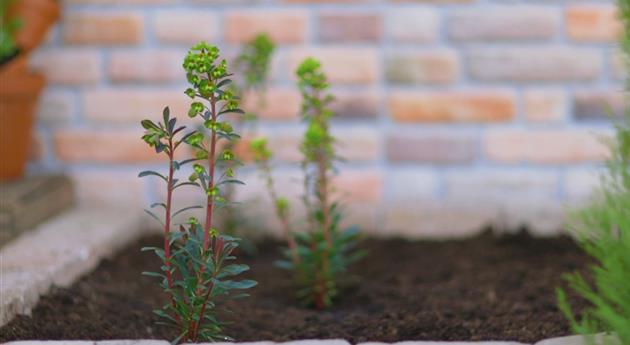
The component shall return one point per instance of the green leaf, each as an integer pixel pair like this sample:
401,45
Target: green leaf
152,173
154,217
186,209
166,114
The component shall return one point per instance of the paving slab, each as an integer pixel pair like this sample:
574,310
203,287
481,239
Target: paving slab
447,343
597,339
59,251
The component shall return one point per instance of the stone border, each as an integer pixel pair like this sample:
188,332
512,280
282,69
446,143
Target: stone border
59,251
570,340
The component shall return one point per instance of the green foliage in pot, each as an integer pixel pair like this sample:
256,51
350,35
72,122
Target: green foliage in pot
603,232
320,256
196,273
252,65
8,28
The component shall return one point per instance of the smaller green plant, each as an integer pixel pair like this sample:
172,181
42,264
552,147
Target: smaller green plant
252,64
196,273
320,256
8,28
603,232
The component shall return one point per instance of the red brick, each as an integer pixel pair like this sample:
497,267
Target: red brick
356,104
131,105
452,106
353,185
349,27
152,66
544,105
279,104
113,146
512,22
535,64
283,26
434,148
61,65
432,67
103,27
188,27
592,23
342,65
415,25
599,105
544,146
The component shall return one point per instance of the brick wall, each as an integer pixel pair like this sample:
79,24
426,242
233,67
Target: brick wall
452,114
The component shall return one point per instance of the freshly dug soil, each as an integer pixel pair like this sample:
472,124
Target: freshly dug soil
485,288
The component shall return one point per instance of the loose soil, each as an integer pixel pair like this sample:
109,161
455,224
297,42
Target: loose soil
485,288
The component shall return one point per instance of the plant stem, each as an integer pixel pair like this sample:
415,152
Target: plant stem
211,166
167,222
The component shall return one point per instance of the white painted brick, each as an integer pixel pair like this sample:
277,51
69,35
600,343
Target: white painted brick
501,185
580,184
408,184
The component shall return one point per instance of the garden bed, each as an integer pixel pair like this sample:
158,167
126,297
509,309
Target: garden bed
485,288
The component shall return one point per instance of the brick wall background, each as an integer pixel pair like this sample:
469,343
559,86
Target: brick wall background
452,114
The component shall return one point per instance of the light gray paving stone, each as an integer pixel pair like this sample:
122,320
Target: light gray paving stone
227,343
317,342
50,342
133,342
60,251
597,339
447,343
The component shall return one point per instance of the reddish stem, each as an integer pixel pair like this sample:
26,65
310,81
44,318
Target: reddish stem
167,223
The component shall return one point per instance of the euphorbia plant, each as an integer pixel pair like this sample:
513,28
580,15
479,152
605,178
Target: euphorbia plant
319,256
195,255
252,65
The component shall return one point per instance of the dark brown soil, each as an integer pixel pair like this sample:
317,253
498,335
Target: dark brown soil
485,288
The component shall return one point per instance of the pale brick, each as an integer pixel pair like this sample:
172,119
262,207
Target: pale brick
356,104
407,184
417,25
431,67
544,105
279,104
544,146
501,185
358,143
435,2
118,2
592,23
431,148
580,184
132,105
599,105
433,219
494,23
619,65
56,106
324,1
103,27
104,146
452,106
186,26
109,187
349,27
152,66
69,66
342,65
283,26
535,64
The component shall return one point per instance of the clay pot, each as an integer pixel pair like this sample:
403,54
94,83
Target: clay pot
37,17
19,91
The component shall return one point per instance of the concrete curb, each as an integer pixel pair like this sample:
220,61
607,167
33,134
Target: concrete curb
58,252
570,340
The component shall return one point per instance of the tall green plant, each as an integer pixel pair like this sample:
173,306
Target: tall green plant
603,231
196,271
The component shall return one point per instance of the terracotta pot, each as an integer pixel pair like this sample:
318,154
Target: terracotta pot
19,91
37,17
